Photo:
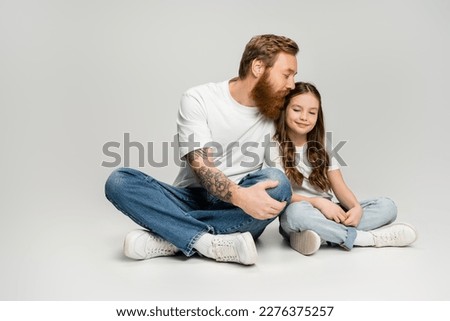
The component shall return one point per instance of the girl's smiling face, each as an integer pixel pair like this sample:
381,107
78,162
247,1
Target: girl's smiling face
301,117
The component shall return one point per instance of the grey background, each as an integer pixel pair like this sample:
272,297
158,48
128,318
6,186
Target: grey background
77,74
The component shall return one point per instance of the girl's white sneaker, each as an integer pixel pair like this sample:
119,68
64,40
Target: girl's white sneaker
306,242
397,234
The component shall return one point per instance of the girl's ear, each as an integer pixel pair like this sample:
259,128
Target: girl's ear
258,68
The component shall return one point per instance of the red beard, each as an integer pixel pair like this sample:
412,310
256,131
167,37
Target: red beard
267,99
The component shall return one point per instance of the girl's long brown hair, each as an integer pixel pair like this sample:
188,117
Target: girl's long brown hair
315,147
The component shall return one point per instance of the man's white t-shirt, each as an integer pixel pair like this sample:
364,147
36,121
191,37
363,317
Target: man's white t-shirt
210,117
273,159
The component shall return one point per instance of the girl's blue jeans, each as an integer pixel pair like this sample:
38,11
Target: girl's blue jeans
300,216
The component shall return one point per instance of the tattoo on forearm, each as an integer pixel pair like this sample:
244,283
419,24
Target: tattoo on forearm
213,180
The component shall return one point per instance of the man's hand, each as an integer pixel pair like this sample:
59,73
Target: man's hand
255,201
329,209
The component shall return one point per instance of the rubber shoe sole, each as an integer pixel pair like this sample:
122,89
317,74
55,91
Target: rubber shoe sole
306,242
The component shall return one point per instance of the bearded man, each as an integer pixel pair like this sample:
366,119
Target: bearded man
222,200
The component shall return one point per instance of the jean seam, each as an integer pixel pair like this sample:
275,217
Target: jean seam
350,240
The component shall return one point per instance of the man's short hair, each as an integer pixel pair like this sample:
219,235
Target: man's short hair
266,48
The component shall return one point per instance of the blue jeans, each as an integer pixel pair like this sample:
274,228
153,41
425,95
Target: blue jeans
300,216
182,215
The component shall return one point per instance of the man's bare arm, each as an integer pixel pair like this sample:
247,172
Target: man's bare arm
253,200
212,179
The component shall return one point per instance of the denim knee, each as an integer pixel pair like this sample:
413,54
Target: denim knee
388,207
297,216
114,186
283,191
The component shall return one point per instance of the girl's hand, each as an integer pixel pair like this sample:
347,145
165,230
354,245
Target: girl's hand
353,216
329,209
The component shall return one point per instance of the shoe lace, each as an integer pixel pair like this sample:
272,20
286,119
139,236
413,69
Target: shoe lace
224,250
390,238
156,245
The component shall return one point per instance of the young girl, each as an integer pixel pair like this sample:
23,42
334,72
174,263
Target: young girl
312,217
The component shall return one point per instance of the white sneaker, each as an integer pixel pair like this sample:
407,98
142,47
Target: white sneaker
397,234
141,245
306,242
236,247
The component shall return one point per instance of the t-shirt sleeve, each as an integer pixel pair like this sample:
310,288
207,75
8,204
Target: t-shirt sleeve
192,125
334,164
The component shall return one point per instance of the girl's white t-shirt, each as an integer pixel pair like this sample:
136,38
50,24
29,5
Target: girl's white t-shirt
273,159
